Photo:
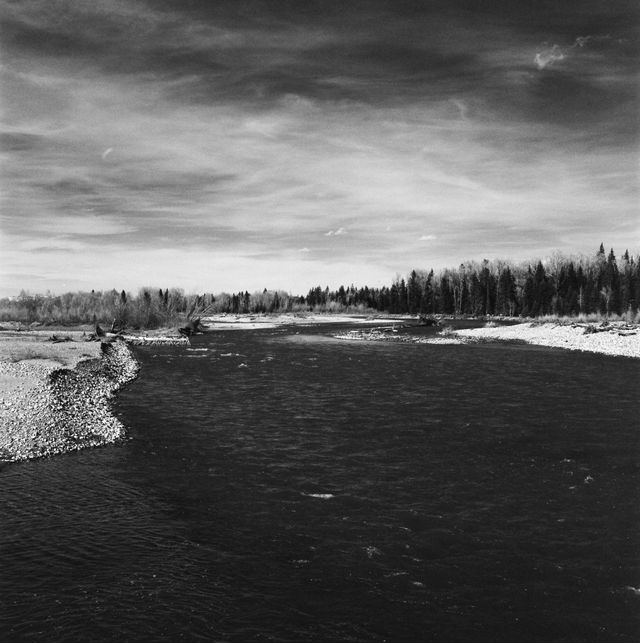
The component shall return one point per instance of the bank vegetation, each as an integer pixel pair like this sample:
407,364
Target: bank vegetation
590,287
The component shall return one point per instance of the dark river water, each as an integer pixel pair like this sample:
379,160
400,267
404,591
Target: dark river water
282,485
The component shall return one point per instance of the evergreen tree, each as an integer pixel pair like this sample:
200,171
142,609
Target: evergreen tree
413,293
446,299
506,293
528,295
394,304
402,297
612,285
426,296
542,293
488,289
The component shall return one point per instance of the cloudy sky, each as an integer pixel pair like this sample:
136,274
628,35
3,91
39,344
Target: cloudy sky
224,145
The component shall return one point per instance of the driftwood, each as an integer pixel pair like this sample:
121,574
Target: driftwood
56,339
192,327
605,327
155,341
118,327
96,336
423,320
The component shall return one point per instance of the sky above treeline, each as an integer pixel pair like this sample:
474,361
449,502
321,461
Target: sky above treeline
227,145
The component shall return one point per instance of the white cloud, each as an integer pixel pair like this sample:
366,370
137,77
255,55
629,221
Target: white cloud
551,55
548,57
262,176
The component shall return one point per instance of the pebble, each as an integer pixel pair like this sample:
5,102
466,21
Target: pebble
70,409
572,337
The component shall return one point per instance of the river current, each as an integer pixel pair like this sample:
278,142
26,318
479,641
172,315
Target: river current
283,485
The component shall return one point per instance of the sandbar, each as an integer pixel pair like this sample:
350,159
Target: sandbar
54,397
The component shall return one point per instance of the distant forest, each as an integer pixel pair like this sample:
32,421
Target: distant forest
562,286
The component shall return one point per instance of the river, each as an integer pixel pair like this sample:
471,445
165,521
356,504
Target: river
283,485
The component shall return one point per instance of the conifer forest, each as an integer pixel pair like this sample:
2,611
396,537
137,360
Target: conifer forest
601,284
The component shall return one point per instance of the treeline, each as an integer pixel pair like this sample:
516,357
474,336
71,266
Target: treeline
148,309
562,286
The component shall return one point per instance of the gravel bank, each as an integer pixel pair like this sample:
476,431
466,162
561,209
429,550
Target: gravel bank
610,340
45,409
614,339
393,335
229,321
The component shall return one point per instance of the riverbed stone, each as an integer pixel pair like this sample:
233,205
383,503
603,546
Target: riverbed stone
64,409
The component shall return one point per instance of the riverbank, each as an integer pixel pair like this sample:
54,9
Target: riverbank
617,339
54,396
230,321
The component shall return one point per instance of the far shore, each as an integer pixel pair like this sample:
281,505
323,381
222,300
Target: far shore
608,338
616,338
230,321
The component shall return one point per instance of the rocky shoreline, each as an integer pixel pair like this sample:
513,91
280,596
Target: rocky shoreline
613,339
49,410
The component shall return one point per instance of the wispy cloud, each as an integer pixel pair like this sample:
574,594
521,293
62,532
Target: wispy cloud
549,56
238,142
555,53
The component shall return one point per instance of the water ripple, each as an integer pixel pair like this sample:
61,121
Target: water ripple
337,491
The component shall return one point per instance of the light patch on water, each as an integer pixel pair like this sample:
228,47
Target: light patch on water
322,496
386,335
396,574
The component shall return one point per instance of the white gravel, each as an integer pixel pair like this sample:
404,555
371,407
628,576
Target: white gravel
224,321
614,341
45,409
